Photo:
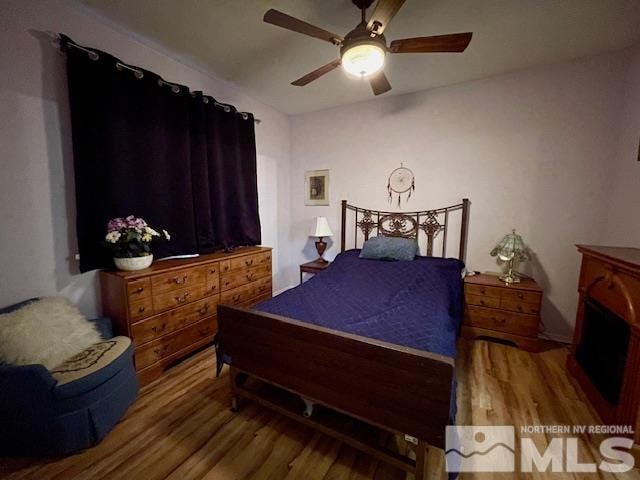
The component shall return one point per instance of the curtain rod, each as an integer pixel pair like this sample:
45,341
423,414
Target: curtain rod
175,88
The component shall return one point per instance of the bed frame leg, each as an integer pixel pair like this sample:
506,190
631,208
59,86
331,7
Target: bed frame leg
421,460
234,378
429,462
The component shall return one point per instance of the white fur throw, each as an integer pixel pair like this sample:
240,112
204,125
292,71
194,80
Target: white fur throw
46,332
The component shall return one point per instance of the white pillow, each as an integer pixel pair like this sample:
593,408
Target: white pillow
46,332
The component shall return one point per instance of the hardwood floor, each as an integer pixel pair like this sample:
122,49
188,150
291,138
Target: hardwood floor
181,427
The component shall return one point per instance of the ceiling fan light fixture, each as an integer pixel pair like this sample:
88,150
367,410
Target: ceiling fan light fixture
363,59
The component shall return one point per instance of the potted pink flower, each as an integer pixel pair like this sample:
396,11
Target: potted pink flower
130,241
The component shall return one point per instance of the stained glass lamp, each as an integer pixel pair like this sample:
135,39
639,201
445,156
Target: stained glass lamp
512,250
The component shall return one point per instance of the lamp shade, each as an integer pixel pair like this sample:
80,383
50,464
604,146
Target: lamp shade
511,247
321,228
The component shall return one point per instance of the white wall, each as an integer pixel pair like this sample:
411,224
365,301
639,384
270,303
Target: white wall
37,237
623,215
532,150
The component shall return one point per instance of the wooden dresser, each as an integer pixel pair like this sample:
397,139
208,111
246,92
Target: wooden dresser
507,312
169,309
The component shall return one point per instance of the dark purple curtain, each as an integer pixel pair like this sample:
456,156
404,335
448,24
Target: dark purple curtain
143,147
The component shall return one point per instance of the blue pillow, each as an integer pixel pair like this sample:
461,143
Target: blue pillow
389,248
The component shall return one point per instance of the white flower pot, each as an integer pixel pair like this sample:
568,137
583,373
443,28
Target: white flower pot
134,263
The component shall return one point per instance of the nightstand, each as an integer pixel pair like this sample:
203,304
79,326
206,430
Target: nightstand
313,267
509,313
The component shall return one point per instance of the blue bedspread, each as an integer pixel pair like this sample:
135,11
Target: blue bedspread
415,303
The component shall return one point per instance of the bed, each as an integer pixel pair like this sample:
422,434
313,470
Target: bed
364,342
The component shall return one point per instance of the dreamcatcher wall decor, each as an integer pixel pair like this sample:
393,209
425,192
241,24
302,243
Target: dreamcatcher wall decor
401,181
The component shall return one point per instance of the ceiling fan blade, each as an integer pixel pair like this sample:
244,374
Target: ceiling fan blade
310,77
283,20
456,42
382,15
379,83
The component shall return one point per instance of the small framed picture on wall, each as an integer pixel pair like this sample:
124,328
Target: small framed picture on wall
316,187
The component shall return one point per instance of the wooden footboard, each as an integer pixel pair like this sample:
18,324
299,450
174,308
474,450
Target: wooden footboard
398,389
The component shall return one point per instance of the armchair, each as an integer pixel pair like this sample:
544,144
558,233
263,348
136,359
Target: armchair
47,413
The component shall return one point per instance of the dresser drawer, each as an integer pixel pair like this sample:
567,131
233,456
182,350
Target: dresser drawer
240,295
519,324
159,325
174,342
255,300
178,298
234,279
520,306
483,291
178,279
213,278
481,300
225,266
521,296
138,289
250,261
139,309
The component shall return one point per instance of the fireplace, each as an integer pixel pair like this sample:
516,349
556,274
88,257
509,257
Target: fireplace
602,351
605,359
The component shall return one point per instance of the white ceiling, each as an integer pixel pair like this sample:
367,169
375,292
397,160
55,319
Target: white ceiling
229,38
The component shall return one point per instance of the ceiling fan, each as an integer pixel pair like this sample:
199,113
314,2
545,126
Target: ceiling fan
363,49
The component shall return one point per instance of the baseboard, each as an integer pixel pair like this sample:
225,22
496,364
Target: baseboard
283,290
556,337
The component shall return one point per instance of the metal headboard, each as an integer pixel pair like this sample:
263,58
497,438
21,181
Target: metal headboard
407,225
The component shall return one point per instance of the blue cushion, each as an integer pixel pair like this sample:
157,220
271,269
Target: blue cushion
390,248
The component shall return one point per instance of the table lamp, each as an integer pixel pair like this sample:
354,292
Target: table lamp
511,249
321,229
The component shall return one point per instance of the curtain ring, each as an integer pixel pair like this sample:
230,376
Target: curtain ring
227,108
175,89
138,74
205,99
245,116
93,56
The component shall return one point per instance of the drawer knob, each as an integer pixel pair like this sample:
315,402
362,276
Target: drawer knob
182,298
181,280
236,298
212,271
249,276
159,351
519,308
248,263
483,291
141,309
481,302
520,295
213,288
139,289
158,329
204,310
